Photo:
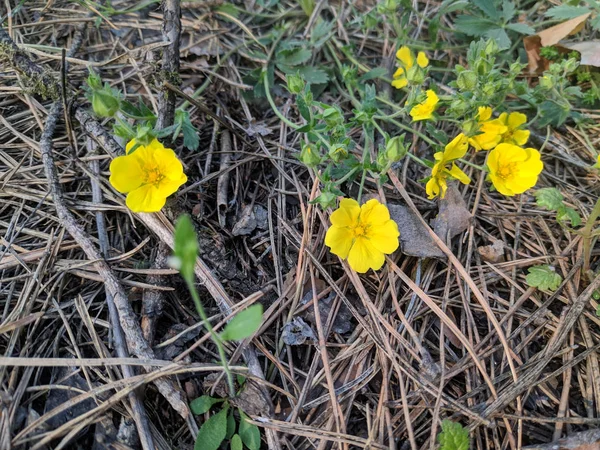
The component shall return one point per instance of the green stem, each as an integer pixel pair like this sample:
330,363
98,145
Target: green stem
215,336
368,140
469,163
284,119
587,235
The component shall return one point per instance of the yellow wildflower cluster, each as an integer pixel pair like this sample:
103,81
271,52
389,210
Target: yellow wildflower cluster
408,66
512,168
148,174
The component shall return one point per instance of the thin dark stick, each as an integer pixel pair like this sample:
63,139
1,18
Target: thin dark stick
171,31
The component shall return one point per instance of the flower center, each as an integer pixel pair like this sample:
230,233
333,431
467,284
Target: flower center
360,230
153,175
506,171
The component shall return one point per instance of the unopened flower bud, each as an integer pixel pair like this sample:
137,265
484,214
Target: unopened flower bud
309,155
327,199
105,103
295,84
467,80
338,152
395,149
332,117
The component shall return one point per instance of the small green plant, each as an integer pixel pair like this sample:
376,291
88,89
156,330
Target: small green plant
552,200
543,277
453,436
136,121
219,426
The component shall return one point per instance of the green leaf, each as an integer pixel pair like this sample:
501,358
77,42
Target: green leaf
304,108
488,8
244,324
293,57
212,432
190,134
203,404
543,277
236,442
567,214
473,26
249,433
549,198
552,113
564,12
313,75
453,436
377,72
500,36
522,28
508,10
186,247
231,426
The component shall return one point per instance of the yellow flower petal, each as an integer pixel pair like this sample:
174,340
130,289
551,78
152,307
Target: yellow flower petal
347,214
457,173
422,60
400,83
125,174
520,137
405,56
424,110
146,198
485,112
457,148
513,169
374,213
364,256
385,237
515,120
340,240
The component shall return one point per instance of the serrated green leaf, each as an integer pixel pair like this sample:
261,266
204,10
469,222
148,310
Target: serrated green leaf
543,277
304,109
549,198
313,75
522,28
508,10
203,404
186,247
244,324
488,8
453,436
190,135
564,12
249,433
567,214
212,432
500,36
293,57
552,113
473,26
236,442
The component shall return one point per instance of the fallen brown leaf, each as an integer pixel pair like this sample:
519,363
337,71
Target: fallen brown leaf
590,51
550,36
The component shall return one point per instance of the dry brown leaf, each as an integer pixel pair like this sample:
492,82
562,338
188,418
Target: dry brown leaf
590,51
550,36
415,239
493,253
586,440
453,217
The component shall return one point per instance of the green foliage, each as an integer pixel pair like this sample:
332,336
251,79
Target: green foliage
453,436
492,19
244,324
236,442
186,247
203,404
213,431
249,433
543,277
552,200
184,125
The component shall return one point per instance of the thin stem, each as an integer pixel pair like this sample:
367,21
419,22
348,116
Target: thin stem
368,140
469,163
587,235
215,337
287,121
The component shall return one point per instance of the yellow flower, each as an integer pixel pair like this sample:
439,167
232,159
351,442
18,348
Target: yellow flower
513,169
424,110
513,122
362,234
406,61
437,184
148,175
491,130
